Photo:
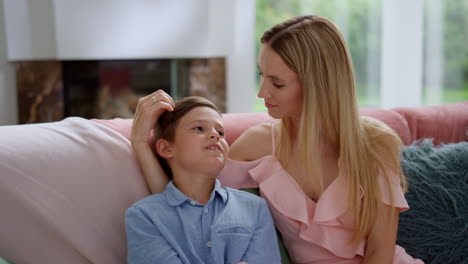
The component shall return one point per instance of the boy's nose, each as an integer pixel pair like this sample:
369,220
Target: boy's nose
215,134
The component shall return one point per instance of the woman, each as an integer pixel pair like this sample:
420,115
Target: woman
332,179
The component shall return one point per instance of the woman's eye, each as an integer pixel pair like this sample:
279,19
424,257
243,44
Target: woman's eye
278,85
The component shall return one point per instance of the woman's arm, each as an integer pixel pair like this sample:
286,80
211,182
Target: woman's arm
381,244
253,144
149,109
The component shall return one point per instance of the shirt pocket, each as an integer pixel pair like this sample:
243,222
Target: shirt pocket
231,241
234,230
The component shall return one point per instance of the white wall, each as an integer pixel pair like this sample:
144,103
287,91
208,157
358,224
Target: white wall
8,103
121,29
29,26
118,29
109,29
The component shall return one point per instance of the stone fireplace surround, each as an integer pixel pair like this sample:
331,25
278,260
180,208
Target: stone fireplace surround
52,90
41,36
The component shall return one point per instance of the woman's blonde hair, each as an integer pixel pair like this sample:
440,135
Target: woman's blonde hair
314,48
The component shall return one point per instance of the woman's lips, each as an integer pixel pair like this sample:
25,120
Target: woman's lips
269,105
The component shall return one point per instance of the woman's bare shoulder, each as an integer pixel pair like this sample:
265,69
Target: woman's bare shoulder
253,144
384,139
376,129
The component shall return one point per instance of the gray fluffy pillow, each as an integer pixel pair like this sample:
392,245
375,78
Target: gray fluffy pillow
435,229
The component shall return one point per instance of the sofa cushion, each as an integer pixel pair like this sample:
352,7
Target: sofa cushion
64,189
444,123
236,123
435,229
392,119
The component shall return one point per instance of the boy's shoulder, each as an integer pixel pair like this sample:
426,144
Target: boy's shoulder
151,202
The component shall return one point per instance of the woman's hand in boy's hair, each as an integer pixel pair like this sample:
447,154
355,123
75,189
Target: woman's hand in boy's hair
148,110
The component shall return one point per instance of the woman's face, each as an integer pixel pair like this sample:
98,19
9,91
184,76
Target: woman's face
280,86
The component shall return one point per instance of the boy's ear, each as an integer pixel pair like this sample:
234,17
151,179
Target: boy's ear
164,149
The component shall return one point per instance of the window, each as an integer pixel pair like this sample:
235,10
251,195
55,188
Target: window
358,20
444,63
445,57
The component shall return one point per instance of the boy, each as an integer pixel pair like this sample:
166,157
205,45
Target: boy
195,220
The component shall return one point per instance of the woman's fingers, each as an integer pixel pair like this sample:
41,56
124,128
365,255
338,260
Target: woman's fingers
150,107
148,110
153,105
159,107
157,96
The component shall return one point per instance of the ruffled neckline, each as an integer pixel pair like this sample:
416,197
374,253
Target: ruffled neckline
319,222
326,222
331,204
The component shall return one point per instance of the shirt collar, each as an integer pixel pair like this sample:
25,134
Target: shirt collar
175,197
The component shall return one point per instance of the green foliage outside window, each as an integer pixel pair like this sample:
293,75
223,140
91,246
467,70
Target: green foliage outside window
455,51
362,29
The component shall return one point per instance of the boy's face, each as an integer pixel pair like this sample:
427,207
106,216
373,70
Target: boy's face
199,145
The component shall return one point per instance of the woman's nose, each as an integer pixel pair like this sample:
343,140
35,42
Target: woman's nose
262,93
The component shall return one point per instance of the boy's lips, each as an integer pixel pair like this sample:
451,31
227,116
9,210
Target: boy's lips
215,147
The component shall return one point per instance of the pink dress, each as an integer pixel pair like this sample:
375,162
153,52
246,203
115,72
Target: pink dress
313,232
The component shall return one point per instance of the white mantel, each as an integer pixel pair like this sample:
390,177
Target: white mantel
118,29
144,29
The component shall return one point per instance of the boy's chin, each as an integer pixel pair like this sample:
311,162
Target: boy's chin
216,161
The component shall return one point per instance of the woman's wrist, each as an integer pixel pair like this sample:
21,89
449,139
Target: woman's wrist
137,144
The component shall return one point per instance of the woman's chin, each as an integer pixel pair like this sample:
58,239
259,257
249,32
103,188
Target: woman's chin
274,114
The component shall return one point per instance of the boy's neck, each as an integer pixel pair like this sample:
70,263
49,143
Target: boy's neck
195,186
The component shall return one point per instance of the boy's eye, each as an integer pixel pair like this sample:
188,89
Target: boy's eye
221,133
198,128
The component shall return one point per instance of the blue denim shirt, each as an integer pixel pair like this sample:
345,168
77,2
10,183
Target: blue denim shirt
171,228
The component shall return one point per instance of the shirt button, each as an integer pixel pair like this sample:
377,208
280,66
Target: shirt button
206,210
192,202
208,244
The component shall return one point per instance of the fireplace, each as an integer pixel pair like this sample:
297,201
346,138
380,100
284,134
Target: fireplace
52,90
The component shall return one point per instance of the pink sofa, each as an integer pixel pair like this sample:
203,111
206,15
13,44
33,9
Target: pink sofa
64,186
445,123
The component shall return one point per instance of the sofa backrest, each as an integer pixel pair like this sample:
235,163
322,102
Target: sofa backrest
444,123
236,124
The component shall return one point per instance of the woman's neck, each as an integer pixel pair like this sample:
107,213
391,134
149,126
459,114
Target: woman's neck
324,143
292,125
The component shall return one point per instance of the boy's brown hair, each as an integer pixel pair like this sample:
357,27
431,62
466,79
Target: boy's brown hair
167,123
